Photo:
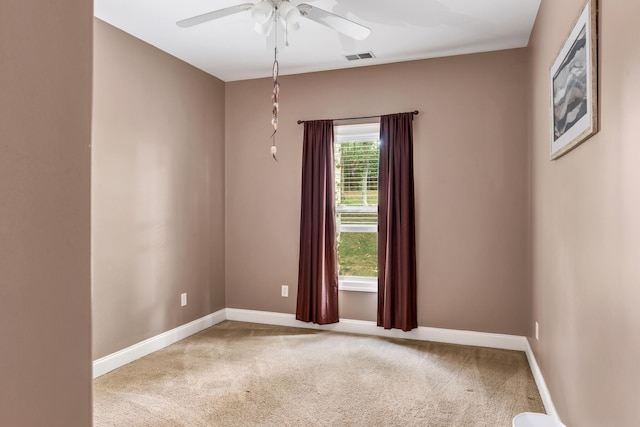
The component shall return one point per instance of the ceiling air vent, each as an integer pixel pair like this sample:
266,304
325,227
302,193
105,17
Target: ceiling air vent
357,56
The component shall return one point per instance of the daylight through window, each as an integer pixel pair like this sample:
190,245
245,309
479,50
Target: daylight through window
357,152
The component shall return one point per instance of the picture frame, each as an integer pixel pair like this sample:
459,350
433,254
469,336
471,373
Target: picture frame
574,85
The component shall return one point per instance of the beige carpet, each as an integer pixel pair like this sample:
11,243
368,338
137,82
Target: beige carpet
244,374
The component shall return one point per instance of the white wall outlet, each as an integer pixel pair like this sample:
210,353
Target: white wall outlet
183,299
285,291
537,331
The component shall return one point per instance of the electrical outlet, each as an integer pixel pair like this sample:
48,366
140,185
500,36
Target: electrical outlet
285,291
537,331
183,299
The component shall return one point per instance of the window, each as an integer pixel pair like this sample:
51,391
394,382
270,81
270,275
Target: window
357,152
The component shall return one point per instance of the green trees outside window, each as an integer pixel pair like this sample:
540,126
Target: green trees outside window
356,165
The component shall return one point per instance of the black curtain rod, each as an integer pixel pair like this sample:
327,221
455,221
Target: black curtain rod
415,113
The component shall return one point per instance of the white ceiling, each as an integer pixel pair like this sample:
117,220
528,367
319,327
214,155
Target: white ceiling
401,30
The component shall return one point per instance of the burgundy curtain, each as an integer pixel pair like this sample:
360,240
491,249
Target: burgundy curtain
397,306
318,265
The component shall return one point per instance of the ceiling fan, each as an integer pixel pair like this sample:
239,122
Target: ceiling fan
269,13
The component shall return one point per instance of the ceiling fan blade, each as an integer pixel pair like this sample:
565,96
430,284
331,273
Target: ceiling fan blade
210,16
338,23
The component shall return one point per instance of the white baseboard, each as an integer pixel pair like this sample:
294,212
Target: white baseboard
549,407
450,336
120,358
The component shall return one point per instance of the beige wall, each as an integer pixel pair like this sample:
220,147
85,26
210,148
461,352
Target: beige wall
586,228
471,182
158,191
471,185
45,135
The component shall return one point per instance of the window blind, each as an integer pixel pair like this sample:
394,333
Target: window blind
357,184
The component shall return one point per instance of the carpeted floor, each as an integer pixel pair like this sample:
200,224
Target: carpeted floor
245,374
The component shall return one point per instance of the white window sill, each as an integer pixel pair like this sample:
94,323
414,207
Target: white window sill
358,284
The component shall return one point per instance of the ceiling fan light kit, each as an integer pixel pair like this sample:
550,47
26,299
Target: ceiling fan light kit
261,12
264,28
267,14
289,15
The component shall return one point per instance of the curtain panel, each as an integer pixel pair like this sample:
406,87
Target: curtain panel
397,304
318,265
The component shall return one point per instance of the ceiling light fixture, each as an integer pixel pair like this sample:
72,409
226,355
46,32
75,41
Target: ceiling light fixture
268,16
267,13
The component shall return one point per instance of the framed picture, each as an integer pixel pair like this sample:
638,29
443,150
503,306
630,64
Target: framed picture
574,86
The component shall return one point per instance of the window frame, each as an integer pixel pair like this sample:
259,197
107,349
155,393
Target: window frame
353,133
